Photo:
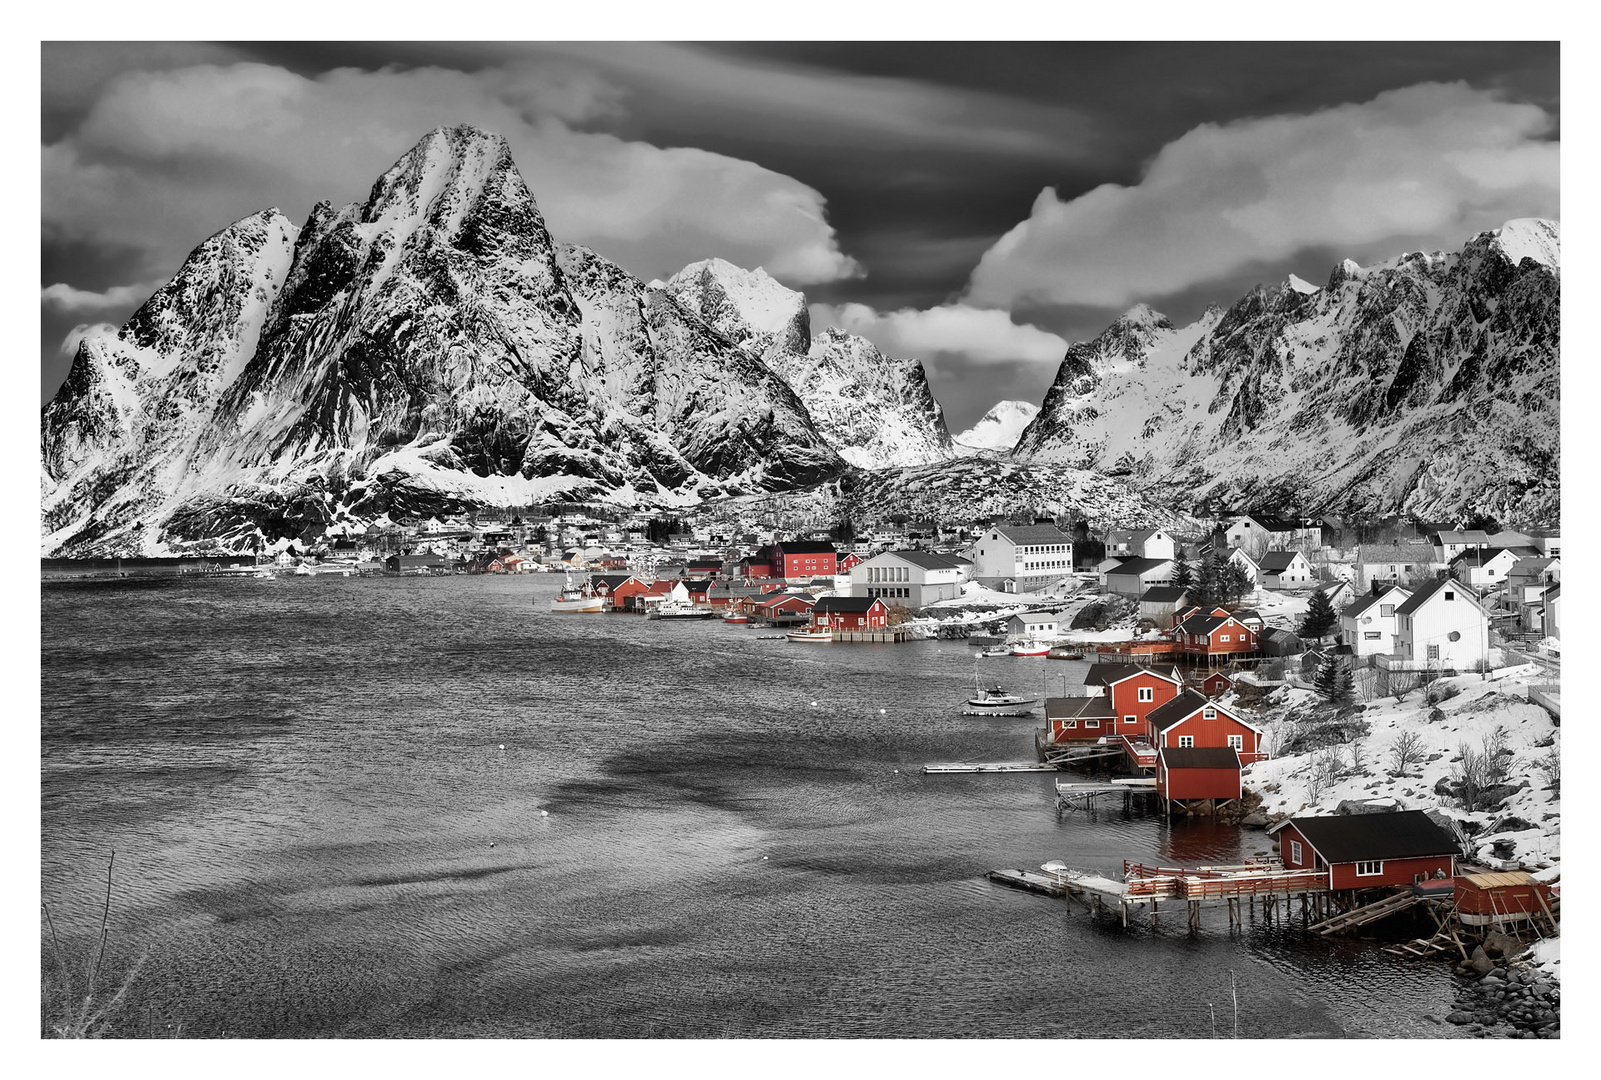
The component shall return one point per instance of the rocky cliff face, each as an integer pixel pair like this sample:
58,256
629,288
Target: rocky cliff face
997,430
427,349
1427,384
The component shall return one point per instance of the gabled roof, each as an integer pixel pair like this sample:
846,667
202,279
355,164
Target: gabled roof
1274,523
1186,705
1029,617
1403,834
1275,562
1200,757
1361,604
1107,673
1202,624
846,603
1394,553
928,560
1247,614
1139,566
1462,536
698,584
1329,588
1533,565
1425,594
1071,708
1034,534
1164,594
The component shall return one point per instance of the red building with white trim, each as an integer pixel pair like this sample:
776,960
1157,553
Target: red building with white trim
1191,720
804,559
1214,634
1133,691
1367,851
1185,773
849,613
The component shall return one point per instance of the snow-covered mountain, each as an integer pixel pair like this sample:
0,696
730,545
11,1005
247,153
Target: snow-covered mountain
998,429
1426,384
425,350
875,411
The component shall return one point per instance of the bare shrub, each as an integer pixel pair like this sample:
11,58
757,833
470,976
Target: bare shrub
1550,766
1398,684
1469,774
1497,757
1405,752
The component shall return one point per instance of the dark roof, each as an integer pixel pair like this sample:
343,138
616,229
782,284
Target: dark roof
805,547
611,581
1352,610
928,560
1034,534
1138,566
1246,614
1273,562
1329,588
1202,624
1187,704
698,584
1423,595
1071,708
845,603
1200,757
1163,594
1274,523
1105,673
1403,834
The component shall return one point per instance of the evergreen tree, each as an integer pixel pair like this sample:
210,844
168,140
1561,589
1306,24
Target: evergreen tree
1320,619
1234,583
1183,573
1347,685
1326,682
1208,581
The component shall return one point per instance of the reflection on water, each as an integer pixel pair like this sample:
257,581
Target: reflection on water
429,807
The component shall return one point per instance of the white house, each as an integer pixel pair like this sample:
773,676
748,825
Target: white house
1449,543
1033,624
1392,563
1284,570
1487,566
1526,584
1021,558
1261,532
1140,544
1442,625
1132,577
911,578
1340,593
1161,603
1551,611
1368,625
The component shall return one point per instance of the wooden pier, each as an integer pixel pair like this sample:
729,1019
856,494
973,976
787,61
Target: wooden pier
1022,879
989,767
888,635
1073,795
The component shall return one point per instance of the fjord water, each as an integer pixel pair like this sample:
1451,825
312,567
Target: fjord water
690,831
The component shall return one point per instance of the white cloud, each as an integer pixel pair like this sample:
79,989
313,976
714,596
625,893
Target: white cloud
982,335
165,159
66,300
1434,161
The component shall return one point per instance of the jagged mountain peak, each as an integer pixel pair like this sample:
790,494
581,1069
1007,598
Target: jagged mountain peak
748,307
1142,315
1539,239
1000,427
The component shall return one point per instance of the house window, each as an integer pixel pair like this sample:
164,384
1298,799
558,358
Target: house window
1070,723
1449,595
1147,693
1222,637
1209,713
1295,851
1130,720
1092,723
1386,610
1371,635
1369,869
1434,652
1236,742
1186,740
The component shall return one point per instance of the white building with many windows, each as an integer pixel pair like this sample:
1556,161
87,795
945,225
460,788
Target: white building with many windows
1021,558
1368,625
912,579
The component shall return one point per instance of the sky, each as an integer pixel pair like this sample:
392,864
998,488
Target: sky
977,205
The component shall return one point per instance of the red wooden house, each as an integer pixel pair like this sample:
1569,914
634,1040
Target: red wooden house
1214,635
1186,773
628,595
850,613
697,589
1216,684
783,604
1367,851
846,563
1134,691
1192,720
804,559
759,565
1078,719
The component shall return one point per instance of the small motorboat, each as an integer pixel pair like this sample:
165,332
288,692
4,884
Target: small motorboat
994,650
1064,652
992,700
820,637
736,618
669,609
1030,648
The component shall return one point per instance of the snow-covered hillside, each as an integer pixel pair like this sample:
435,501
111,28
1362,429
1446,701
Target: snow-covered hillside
1426,384
999,428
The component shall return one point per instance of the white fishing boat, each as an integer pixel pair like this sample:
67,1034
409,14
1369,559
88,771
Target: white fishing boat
992,700
1030,648
576,600
736,618
823,637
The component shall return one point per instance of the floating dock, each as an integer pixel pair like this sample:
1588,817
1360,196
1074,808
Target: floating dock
988,767
1022,879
